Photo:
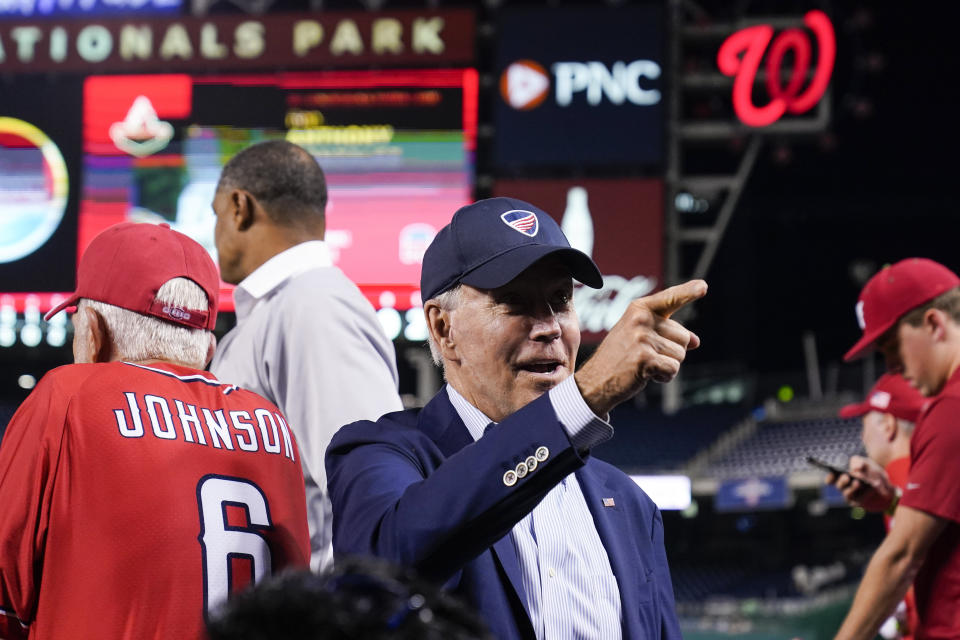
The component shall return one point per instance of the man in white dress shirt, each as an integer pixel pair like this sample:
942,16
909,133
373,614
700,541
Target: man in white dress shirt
306,338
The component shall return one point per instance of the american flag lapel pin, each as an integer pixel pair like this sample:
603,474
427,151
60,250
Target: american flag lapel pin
608,502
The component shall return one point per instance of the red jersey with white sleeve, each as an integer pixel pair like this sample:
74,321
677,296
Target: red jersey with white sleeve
136,497
933,486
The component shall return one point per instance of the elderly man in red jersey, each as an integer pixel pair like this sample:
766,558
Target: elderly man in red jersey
888,415
137,490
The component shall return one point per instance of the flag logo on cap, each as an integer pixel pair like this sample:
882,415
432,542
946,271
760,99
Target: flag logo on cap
880,399
523,221
859,311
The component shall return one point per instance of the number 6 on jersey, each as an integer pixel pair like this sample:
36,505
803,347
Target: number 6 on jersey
223,542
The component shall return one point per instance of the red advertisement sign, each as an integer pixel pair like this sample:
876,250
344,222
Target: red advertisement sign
305,40
619,223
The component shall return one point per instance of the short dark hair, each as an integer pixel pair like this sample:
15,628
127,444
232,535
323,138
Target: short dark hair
948,302
361,597
284,178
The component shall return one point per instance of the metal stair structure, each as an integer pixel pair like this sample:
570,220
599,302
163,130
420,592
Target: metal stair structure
692,240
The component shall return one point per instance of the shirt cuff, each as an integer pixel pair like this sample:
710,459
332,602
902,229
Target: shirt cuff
583,427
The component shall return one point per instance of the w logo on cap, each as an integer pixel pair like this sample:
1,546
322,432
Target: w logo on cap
859,311
520,220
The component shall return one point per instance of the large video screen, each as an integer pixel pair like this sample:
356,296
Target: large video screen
39,174
397,148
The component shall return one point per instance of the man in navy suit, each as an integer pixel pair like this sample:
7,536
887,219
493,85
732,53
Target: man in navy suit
490,488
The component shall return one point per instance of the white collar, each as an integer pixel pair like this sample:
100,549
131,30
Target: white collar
271,274
474,419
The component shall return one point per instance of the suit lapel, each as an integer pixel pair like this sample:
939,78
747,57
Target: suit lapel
613,528
441,422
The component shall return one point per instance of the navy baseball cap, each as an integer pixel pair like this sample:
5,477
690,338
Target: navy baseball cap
490,242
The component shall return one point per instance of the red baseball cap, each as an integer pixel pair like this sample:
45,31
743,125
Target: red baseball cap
127,264
892,292
891,394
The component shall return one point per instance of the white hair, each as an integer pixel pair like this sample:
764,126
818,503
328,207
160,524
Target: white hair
448,301
140,337
905,425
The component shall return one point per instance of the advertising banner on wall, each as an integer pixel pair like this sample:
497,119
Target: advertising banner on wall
619,223
55,9
753,494
588,91
293,40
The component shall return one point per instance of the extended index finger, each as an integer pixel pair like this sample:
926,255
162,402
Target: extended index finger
668,301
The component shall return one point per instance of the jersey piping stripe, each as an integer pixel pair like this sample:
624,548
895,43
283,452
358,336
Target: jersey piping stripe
10,614
196,377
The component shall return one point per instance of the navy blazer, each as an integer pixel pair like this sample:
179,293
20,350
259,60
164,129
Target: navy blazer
414,488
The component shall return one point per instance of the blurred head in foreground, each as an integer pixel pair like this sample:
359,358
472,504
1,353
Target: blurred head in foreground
359,598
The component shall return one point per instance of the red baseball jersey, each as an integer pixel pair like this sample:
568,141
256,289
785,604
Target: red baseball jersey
934,486
898,472
134,498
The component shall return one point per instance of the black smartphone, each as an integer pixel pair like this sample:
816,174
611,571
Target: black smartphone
827,467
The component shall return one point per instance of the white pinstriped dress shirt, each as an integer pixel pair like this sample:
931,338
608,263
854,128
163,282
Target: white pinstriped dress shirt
571,591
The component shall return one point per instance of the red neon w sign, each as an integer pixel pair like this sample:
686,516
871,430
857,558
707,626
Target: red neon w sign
741,54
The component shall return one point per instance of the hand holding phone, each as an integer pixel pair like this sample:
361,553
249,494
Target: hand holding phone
828,467
837,472
868,486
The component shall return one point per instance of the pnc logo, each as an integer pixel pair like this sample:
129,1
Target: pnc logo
525,84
